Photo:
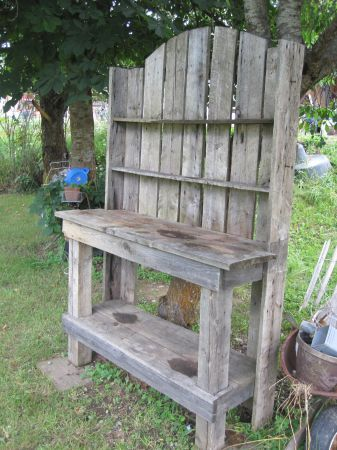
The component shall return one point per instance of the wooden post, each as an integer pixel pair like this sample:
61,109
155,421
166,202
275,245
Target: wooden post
213,359
279,212
79,302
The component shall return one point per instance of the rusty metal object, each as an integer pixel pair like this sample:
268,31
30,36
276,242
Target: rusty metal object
289,365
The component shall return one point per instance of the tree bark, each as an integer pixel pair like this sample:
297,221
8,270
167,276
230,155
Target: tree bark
321,59
82,135
256,18
289,20
54,146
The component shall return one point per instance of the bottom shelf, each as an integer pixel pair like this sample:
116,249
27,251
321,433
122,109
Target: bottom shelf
161,354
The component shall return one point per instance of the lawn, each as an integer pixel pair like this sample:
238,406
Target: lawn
116,411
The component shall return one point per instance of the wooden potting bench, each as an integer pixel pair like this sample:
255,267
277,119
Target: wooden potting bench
200,161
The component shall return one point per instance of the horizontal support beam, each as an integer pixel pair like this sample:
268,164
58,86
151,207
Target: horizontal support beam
194,122
177,266
203,181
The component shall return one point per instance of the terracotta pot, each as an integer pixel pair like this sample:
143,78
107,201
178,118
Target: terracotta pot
72,194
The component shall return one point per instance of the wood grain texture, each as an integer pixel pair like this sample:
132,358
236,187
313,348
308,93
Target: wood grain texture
195,108
213,362
246,142
262,216
195,121
197,180
131,182
79,298
205,246
131,338
279,210
151,133
218,137
172,139
114,185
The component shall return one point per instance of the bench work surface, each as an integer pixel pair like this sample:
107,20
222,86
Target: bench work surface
216,249
160,353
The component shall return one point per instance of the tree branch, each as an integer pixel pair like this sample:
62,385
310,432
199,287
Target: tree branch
321,59
256,17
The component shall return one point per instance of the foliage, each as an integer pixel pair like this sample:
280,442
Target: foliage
66,47
20,151
315,118
315,18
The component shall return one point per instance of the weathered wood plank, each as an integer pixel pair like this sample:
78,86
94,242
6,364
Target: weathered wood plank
118,80
131,182
128,337
205,246
151,133
195,108
262,218
195,121
172,139
281,185
218,137
246,142
213,361
192,271
326,277
315,274
205,181
79,299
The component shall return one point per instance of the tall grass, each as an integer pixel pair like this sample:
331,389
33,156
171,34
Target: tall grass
20,151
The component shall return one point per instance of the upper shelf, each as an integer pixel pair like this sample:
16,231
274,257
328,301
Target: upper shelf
216,249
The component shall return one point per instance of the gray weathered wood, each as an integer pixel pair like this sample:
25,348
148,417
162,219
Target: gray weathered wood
261,224
246,143
118,84
205,246
315,274
195,108
195,121
79,299
218,137
131,182
213,361
197,180
151,134
326,277
280,199
192,271
129,337
172,139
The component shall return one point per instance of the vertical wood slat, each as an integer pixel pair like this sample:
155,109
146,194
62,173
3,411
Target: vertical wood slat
213,358
195,108
79,300
287,96
218,136
173,108
261,233
151,133
246,142
134,108
114,183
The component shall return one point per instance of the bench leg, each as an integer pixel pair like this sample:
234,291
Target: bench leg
213,359
79,301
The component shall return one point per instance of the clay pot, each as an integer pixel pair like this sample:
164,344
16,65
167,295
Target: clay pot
72,194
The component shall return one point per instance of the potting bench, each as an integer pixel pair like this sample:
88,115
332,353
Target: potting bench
201,152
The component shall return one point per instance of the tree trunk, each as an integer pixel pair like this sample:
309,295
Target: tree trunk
82,135
256,18
321,59
54,146
289,20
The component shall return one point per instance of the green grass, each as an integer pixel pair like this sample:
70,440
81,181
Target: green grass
118,412
33,295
